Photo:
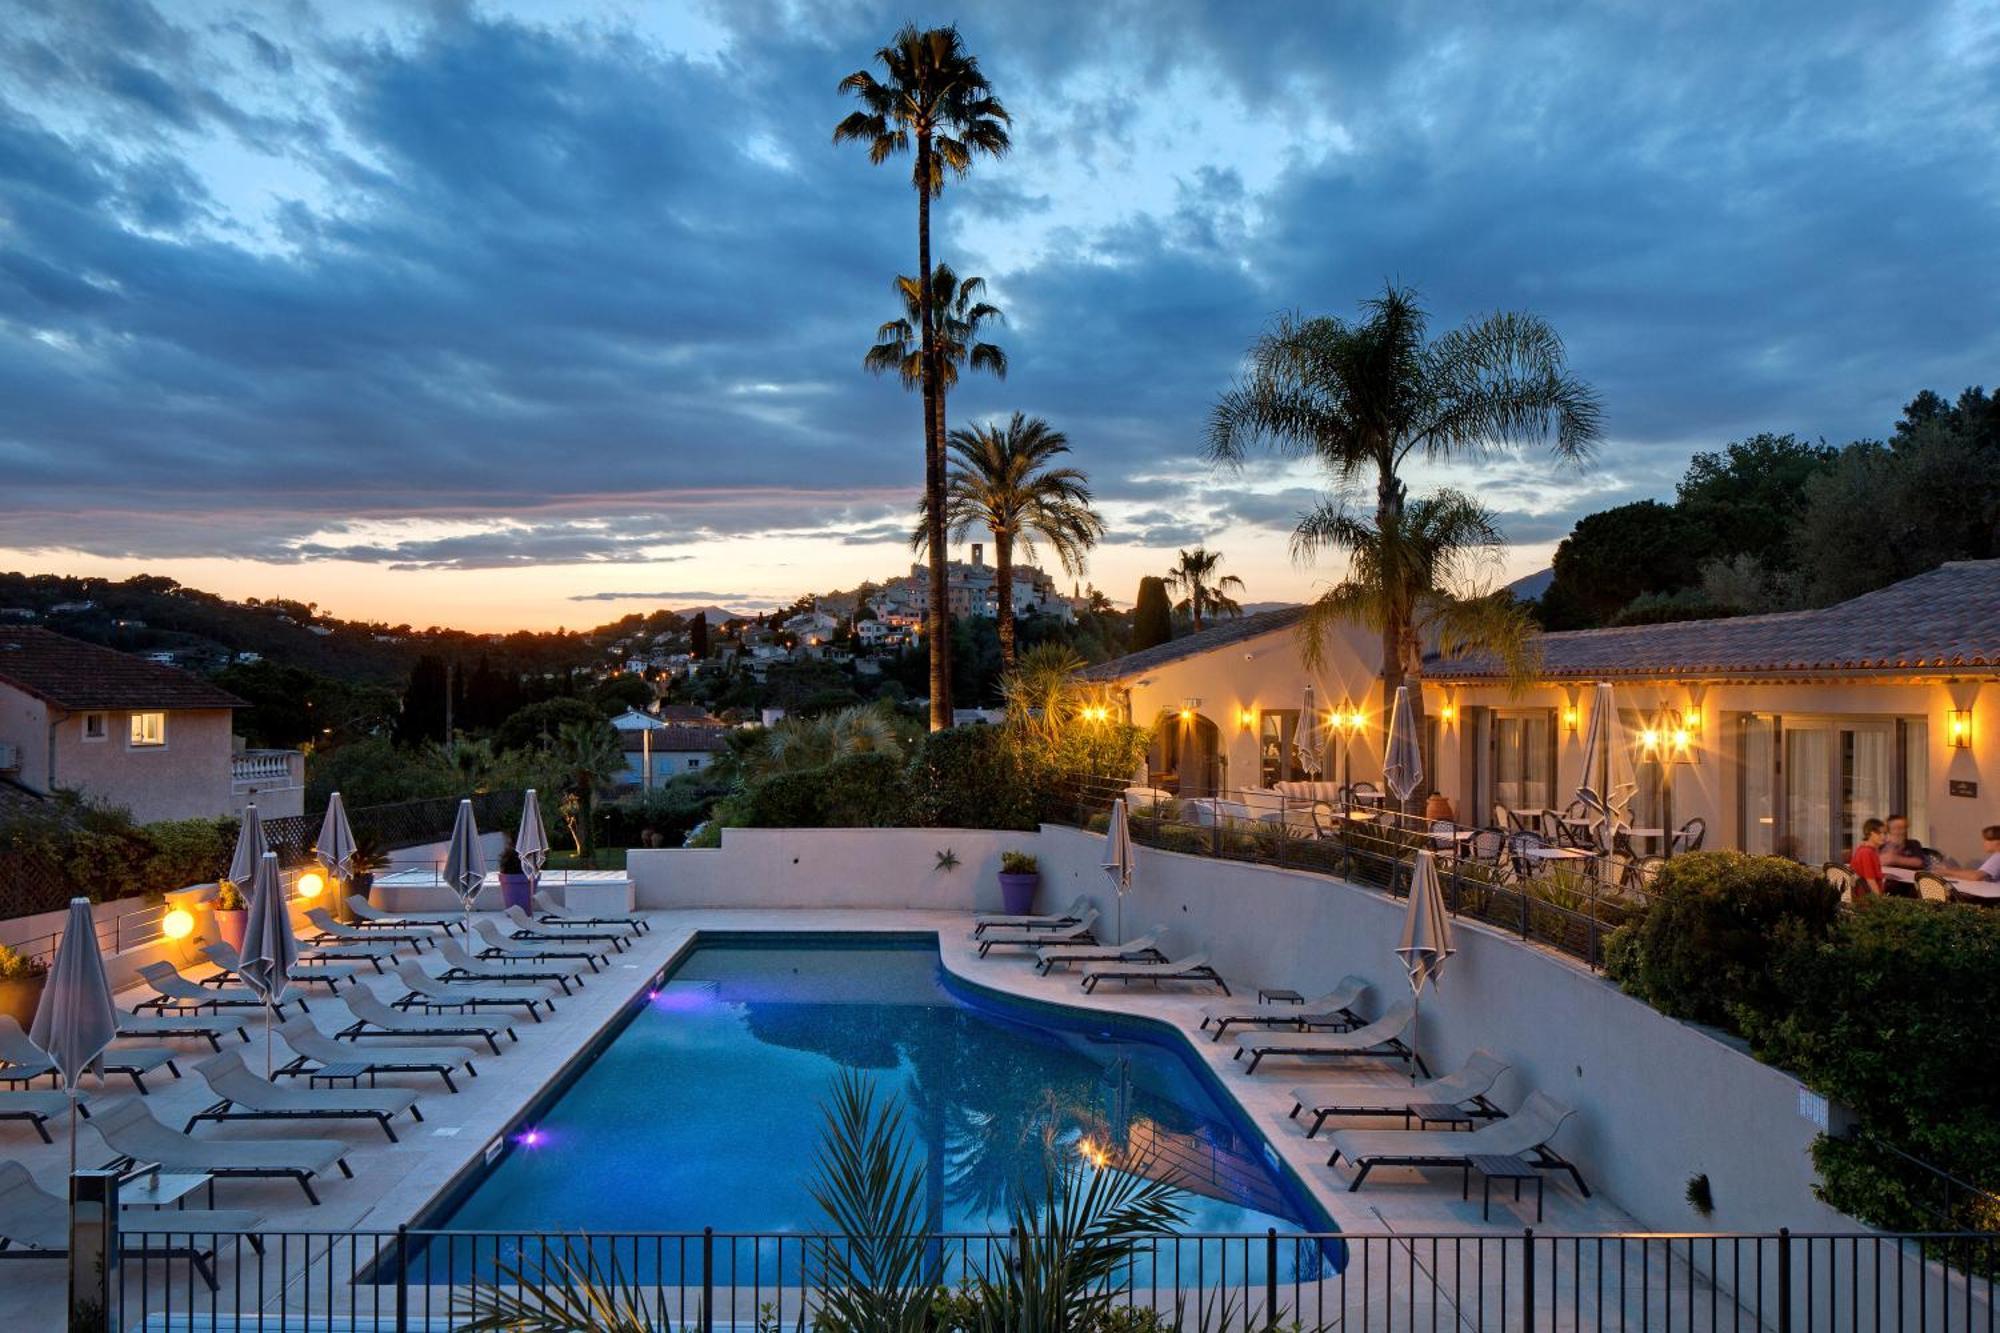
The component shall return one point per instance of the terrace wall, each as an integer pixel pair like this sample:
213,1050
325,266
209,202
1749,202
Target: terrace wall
846,867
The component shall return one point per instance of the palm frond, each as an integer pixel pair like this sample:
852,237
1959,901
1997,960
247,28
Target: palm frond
566,1295
869,1183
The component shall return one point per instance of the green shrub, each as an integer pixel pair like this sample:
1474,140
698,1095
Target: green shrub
973,777
854,791
187,851
17,966
228,898
1705,946
1019,863
1891,1016
669,810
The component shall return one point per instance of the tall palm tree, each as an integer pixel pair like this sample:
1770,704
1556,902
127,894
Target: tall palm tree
1194,574
959,314
931,96
1002,478
1417,575
1362,397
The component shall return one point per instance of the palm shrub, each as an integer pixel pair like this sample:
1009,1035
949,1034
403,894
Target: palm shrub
565,1294
1715,925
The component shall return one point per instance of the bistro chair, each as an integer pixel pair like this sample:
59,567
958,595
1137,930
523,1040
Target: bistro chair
1933,888
1519,845
1640,875
1366,793
1841,878
1689,838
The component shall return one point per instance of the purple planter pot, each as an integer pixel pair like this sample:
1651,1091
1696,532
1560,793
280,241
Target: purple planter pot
1017,893
517,891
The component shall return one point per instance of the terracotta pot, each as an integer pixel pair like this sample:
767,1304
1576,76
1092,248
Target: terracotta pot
1017,893
1439,807
517,891
229,925
20,997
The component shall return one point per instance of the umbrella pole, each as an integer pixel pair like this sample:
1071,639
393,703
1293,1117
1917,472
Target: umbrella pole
1416,1023
267,1037
71,1087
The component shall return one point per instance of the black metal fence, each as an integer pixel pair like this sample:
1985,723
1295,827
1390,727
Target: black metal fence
401,824
1563,894
407,1279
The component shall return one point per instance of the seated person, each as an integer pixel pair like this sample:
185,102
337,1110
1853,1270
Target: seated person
1989,868
1899,848
1866,860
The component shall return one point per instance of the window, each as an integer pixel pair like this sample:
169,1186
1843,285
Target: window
694,763
1523,760
1807,784
1277,731
94,727
148,729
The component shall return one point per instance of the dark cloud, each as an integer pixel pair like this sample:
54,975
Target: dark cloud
564,279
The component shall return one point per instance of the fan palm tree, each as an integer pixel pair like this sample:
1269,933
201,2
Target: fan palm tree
1194,574
932,99
1002,478
1417,574
959,312
1362,397
591,754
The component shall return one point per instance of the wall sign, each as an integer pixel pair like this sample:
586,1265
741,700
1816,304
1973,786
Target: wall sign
1960,788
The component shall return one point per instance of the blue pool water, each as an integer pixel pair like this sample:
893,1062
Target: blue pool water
704,1111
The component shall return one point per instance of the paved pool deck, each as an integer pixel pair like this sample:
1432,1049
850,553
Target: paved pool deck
394,1183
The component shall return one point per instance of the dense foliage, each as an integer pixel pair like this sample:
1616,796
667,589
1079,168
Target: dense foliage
67,847
1152,615
1704,948
1891,1016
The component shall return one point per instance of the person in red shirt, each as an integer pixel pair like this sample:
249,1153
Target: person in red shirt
1866,862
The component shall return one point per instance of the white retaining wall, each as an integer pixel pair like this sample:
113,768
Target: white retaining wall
858,867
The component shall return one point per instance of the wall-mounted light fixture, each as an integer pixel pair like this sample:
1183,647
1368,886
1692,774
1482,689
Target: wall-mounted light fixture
1447,712
1960,730
1189,707
1649,743
1570,717
1356,720
1246,718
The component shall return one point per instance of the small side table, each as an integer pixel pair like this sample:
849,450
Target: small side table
349,1071
1276,995
157,1189
1492,1167
1431,1114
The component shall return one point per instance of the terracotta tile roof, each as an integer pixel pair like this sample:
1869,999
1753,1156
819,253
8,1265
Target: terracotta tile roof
1945,620
73,675
669,739
17,800
1192,645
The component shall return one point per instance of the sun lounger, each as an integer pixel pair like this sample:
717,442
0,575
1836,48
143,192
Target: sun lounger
1070,915
1145,949
1524,1134
304,969
1192,968
527,928
1466,1087
209,1027
331,931
313,1050
1381,1039
34,1224
244,1096
434,996
130,1130
499,946
372,952
546,909
374,1019
368,917
173,992
37,1107
21,1061
1077,932
1331,1010
462,966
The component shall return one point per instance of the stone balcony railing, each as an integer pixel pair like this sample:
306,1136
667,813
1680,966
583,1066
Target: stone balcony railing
267,770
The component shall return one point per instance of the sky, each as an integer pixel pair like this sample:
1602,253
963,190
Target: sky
523,314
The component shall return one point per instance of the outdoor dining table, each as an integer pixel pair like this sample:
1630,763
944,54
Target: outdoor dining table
1978,890
1557,854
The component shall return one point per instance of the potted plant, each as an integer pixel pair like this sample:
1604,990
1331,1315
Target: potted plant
1020,876
516,889
21,982
361,867
230,912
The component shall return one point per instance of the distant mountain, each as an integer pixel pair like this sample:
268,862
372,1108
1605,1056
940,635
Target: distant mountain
1258,608
716,614
1530,587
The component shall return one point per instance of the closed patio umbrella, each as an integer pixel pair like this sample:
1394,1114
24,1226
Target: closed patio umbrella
464,863
1118,858
1403,757
1309,741
1426,940
75,1020
251,844
269,946
532,843
1607,766
335,850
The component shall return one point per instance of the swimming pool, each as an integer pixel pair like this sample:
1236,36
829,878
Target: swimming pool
703,1110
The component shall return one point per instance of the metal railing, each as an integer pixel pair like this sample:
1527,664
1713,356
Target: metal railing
128,929
1565,896
399,824
410,1279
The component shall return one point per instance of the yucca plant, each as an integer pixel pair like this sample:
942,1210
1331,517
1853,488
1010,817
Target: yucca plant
877,1258
565,1295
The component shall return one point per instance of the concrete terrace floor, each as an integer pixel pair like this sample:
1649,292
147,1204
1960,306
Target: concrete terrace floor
393,1183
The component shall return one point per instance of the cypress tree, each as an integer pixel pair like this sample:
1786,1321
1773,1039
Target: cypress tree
1153,615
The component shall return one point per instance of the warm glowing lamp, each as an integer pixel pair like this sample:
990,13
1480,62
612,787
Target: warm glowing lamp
1649,740
1356,721
1691,718
311,885
1569,717
1961,728
1448,712
1248,717
177,924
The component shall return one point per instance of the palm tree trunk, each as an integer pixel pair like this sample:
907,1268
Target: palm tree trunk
1003,589
938,622
1388,509
1194,602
